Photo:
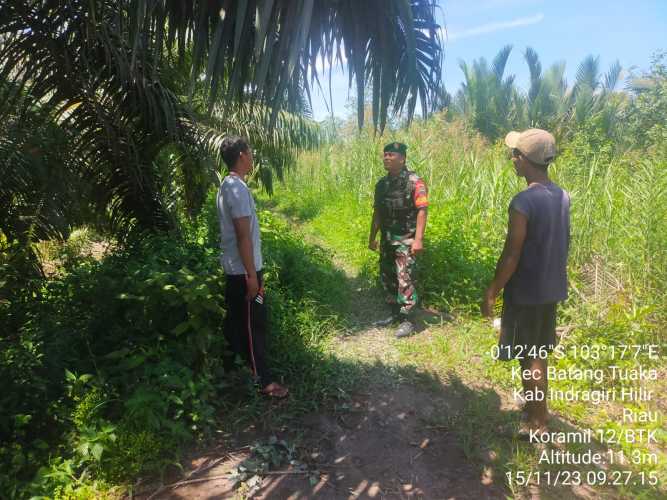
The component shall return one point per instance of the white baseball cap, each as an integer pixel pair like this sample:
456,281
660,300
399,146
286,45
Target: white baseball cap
538,145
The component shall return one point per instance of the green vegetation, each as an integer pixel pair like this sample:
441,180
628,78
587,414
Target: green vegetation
493,104
119,362
112,112
111,294
112,115
618,261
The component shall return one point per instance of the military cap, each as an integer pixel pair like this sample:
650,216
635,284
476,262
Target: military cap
395,147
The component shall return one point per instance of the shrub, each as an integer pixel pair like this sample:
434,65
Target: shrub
116,365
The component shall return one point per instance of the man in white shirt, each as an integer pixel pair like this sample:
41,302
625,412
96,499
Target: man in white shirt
246,321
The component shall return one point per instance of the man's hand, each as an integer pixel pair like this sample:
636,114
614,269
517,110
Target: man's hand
488,303
373,245
252,287
417,246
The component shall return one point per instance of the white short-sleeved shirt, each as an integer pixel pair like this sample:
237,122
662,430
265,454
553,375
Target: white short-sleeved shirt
235,201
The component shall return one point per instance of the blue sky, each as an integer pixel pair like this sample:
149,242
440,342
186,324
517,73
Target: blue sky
559,30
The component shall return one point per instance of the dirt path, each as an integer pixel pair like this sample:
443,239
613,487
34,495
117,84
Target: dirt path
387,439
382,444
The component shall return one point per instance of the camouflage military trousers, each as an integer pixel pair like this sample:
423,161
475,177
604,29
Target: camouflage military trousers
397,275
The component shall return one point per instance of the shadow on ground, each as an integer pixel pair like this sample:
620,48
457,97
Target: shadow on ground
359,422
397,435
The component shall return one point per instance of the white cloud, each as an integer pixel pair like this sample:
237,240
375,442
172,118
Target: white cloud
468,7
493,27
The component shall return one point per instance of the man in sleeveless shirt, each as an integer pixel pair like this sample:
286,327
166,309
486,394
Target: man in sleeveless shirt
399,214
532,269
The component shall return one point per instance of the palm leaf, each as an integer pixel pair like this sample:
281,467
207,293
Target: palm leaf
588,74
291,35
612,77
102,73
535,69
500,61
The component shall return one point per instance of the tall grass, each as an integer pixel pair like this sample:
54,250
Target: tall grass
619,209
618,253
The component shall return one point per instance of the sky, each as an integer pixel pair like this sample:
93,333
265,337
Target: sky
559,30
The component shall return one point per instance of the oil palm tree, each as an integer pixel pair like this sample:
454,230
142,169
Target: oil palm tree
545,100
487,97
592,94
100,71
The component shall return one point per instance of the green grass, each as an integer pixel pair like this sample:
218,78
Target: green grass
462,349
617,266
145,368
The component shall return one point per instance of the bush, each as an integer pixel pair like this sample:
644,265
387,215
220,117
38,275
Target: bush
116,365
135,338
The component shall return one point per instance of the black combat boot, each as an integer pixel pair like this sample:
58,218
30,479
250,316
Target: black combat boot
406,328
394,317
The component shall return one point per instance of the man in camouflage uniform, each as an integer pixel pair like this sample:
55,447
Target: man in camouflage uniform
399,214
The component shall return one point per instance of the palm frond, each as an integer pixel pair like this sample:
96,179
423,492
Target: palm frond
584,104
489,99
612,77
102,74
588,74
555,78
395,43
104,94
535,69
500,61
276,144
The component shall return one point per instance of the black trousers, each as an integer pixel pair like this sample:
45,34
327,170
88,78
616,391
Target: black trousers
246,325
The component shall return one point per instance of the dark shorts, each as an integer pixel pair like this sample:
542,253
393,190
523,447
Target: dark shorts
527,331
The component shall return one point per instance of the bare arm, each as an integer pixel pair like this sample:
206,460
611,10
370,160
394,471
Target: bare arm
418,244
509,260
420,198
244,244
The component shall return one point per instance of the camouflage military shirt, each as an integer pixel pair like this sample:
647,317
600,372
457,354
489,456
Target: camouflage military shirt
397,200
